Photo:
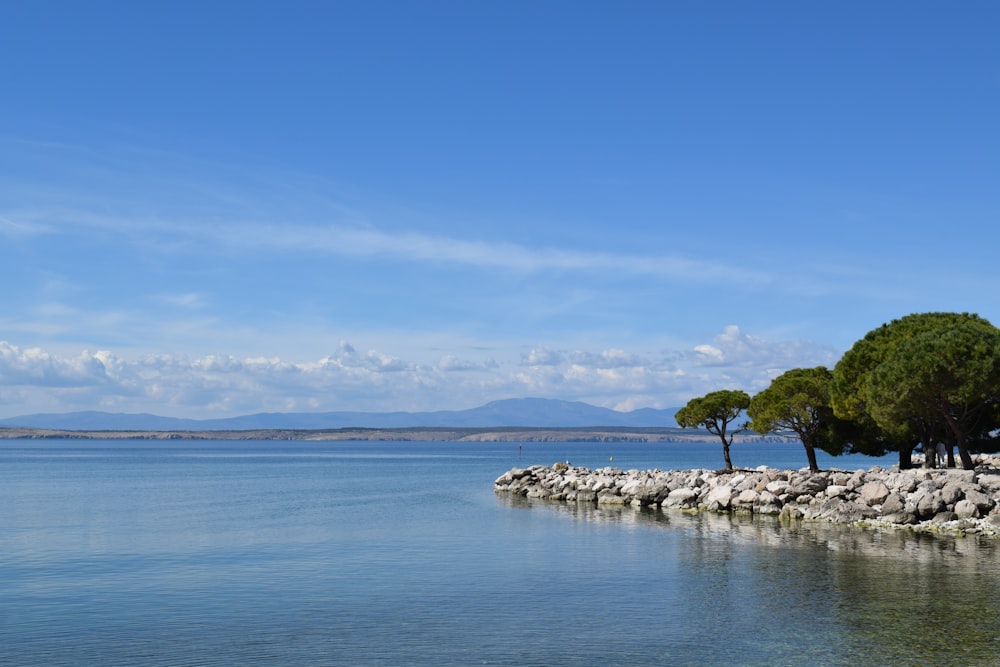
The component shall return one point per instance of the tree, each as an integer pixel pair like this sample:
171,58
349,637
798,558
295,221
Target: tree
850,390
945,381
799,401
715,411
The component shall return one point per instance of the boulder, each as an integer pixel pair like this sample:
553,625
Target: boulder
989,482
929,505
873,493
892,504
719,498
790,513
982,501
813,484
767,503
902,518
952,492
681,498
835,490
778,487
966,509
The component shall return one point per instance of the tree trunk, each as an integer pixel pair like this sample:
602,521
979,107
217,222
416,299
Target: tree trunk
958,435
930,455
963,453
905,457
725,454
811,455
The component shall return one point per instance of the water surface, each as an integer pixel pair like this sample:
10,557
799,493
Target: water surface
295,553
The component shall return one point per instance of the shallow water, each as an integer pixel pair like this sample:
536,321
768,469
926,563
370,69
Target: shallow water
293,553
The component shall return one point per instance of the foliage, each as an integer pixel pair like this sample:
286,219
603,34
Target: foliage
945,381
799,401
715,411
851,391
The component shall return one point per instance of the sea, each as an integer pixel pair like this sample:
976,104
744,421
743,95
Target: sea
142,552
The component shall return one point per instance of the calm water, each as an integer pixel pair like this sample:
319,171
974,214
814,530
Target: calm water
293,553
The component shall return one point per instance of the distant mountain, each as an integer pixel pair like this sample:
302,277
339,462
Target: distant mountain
528,412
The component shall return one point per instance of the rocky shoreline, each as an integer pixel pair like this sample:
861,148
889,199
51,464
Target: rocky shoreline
951,501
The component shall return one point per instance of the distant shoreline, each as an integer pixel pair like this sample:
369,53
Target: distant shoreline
415,434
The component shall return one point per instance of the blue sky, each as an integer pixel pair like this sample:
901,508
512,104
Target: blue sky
212,209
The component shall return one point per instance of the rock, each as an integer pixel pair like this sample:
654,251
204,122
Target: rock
778,487
873,493
955,501
767,503
835,490
893,503
966,509
719,498
610,499
901,518
681,498
952,492
989,482
903,482
851,512
790,513
982,501
929,505
814,484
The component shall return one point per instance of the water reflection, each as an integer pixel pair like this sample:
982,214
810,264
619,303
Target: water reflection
820,593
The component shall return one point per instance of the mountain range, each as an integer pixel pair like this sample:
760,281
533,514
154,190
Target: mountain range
518,412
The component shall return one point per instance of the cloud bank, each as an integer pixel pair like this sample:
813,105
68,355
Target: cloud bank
35,380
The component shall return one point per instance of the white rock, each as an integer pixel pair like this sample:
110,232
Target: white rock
719,498
778,487
835,490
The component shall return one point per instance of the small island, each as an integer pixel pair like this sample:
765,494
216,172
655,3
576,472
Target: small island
933,500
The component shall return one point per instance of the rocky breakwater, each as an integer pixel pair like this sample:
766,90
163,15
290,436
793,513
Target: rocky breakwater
943,500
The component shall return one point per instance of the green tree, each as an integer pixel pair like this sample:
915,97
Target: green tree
799,401
850,389
945,382
716,411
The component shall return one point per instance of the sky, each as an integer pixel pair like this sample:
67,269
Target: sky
210,209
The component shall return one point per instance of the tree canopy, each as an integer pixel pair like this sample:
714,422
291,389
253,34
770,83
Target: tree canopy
944,383
867,380
715,411
930,379
799,401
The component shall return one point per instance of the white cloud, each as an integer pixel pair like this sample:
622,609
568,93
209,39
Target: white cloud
36,380
369,241
541,356
34,366
176,233
735,349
